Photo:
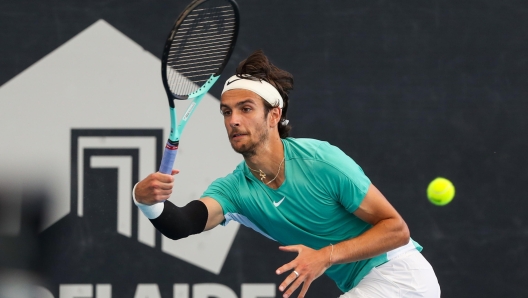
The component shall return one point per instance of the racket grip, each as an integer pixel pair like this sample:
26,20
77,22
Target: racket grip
169,155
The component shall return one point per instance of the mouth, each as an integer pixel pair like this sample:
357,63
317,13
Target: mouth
235,136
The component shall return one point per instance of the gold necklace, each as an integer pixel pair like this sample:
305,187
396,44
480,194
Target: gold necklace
263,175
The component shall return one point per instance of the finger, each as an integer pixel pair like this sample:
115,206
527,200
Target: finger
304,289
174,172
293,287
290,248
287,281
163,192
286,267
165,178
160,191
161,199
166,186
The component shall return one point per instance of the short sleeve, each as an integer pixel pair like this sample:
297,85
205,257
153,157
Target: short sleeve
344,178
225,191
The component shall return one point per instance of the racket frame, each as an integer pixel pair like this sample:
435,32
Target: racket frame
176,130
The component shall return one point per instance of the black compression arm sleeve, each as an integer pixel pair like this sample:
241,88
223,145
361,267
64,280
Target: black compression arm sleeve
176,223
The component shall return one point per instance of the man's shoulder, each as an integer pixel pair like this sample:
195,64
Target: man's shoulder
238,172
304,141
308,148
235,175
322,154
227,187
305,147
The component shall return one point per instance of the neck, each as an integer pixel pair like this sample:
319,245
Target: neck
267,159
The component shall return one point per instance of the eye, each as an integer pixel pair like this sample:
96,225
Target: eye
225,112
246,109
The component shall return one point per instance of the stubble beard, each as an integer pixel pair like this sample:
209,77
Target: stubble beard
250,150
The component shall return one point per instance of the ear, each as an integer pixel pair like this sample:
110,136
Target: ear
274,116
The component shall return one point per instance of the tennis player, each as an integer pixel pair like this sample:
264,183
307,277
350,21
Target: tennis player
306,194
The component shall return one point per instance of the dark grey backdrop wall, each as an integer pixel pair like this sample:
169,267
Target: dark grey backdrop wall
411,90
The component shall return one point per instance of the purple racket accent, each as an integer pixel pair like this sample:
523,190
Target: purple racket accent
169,155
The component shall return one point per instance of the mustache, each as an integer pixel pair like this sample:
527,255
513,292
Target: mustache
236,131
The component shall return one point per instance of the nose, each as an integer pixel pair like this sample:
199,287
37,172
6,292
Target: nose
234,120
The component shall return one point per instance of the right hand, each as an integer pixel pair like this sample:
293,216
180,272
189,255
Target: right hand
157,187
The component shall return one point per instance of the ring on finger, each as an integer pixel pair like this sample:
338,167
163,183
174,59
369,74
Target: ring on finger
296,273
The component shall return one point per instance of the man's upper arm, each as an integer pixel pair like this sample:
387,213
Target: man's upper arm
221,197
215,213
375,207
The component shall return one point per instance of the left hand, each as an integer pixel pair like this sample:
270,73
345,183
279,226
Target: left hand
309,264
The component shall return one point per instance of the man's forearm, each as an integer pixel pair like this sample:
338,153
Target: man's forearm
176,223
386,235
172,221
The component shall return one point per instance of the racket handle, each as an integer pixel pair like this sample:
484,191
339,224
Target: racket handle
169,155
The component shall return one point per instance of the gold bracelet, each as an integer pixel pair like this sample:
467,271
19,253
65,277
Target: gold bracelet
331,253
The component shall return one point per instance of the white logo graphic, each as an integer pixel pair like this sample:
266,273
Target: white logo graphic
204,290
100,79
277,204
146,146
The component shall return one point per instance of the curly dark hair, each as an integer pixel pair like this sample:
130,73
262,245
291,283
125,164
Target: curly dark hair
258,65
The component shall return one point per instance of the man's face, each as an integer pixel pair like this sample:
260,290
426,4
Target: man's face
245,120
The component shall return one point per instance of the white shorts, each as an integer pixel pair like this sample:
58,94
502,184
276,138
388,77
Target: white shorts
407,275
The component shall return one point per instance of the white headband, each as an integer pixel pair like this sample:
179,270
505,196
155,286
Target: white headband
260,87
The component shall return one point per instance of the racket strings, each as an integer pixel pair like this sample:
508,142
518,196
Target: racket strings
200,40
199,48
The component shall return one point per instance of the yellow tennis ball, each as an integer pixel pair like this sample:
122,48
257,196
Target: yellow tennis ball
440,191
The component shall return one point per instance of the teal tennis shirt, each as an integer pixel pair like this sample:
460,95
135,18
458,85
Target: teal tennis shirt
312,207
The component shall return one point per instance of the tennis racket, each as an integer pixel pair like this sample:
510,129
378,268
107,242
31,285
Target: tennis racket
195,54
